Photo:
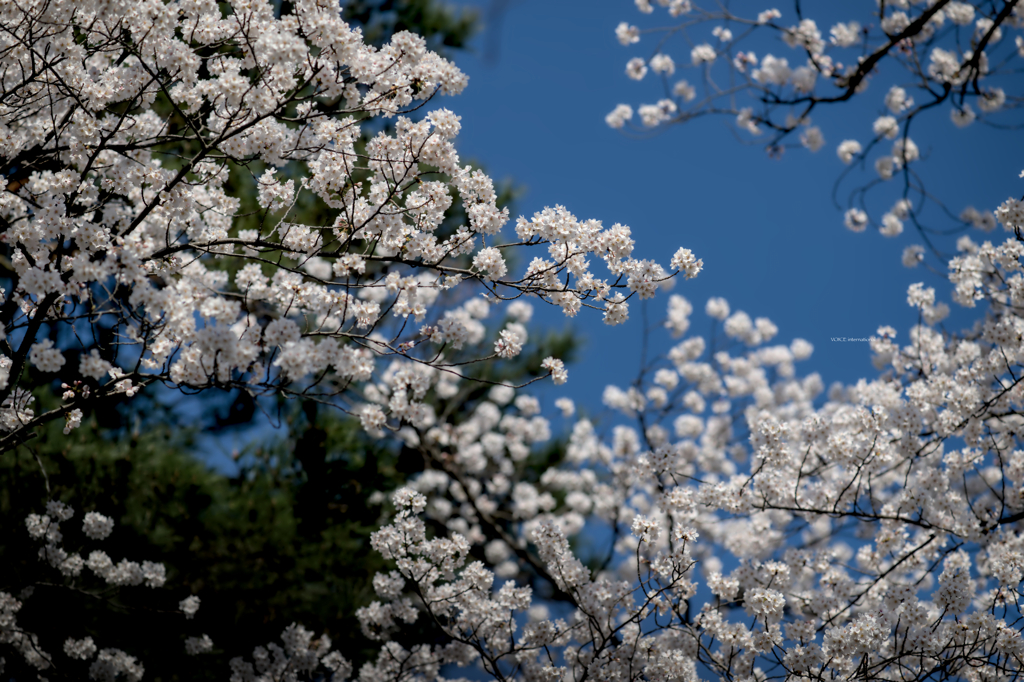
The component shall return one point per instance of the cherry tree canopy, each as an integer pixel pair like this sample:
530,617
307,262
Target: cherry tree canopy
751,526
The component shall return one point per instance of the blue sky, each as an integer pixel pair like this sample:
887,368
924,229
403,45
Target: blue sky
772,240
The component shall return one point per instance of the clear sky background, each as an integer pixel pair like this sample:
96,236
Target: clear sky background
773,243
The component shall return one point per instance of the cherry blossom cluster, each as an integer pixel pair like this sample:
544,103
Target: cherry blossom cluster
771,70
301,657
482,619
67,570
127,134
247,197
729,488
